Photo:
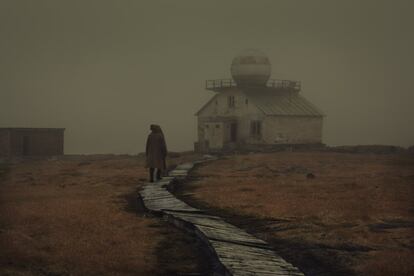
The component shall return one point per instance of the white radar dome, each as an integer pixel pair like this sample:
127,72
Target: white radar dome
251,68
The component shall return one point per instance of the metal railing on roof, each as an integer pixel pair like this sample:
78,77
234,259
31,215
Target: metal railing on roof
272,83
288,84
222,83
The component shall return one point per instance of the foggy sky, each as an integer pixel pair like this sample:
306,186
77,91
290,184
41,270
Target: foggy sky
105,70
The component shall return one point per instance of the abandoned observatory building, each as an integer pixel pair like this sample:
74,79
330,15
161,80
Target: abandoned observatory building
252,111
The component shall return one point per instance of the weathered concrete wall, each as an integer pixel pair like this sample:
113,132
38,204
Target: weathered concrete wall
275,129
36,142
215,134
218,110
4,142
292,130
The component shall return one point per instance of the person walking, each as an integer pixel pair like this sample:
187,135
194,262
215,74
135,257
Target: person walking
156,152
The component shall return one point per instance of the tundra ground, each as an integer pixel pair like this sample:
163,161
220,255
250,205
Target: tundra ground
77,216
327,213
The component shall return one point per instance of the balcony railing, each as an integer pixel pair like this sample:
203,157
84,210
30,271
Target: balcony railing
287,84
229,83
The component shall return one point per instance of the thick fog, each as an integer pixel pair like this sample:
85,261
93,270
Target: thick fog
106,70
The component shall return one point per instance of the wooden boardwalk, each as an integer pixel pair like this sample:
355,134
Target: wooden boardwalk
233,251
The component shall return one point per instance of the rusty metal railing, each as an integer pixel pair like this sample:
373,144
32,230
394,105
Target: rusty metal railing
228,83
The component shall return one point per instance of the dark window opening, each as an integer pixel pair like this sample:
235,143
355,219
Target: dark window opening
233,132
230,101
256,129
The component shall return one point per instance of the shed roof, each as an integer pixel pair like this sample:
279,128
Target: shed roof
206,104
31,129
283,104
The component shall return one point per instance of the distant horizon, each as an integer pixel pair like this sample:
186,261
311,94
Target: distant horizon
192,150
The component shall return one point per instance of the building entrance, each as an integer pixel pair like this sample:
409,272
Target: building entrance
233,132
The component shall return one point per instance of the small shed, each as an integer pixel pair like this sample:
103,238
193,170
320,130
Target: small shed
31,142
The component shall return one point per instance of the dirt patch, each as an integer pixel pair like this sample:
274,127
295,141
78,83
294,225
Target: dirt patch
352,218
377,149
4,168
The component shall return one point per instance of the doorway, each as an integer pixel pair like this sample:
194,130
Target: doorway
213,133
233,132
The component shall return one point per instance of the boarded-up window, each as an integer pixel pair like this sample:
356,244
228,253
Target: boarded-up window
230,101
256,129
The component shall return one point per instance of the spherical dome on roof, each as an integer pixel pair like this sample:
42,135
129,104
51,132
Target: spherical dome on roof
251,68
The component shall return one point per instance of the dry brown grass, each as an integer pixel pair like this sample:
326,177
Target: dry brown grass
359,205
69,216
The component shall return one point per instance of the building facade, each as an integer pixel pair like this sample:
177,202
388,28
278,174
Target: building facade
260,113
31,142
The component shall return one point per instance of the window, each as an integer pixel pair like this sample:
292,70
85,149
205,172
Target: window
247,101
217,126
256,129
230,101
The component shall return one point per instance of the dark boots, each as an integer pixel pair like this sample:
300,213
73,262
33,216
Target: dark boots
151,172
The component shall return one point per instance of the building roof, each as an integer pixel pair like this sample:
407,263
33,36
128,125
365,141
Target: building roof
206,104
282,104
277,103
32,129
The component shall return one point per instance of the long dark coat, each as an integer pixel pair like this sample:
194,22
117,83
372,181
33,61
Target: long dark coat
156,151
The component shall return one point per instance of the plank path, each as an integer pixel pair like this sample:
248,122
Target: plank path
233,251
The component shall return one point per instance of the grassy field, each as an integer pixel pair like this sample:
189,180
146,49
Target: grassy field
76,216
328,213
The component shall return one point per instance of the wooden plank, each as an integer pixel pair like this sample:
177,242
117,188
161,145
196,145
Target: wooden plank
239,252
182,175
229,235
185,166
240,257
178,172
